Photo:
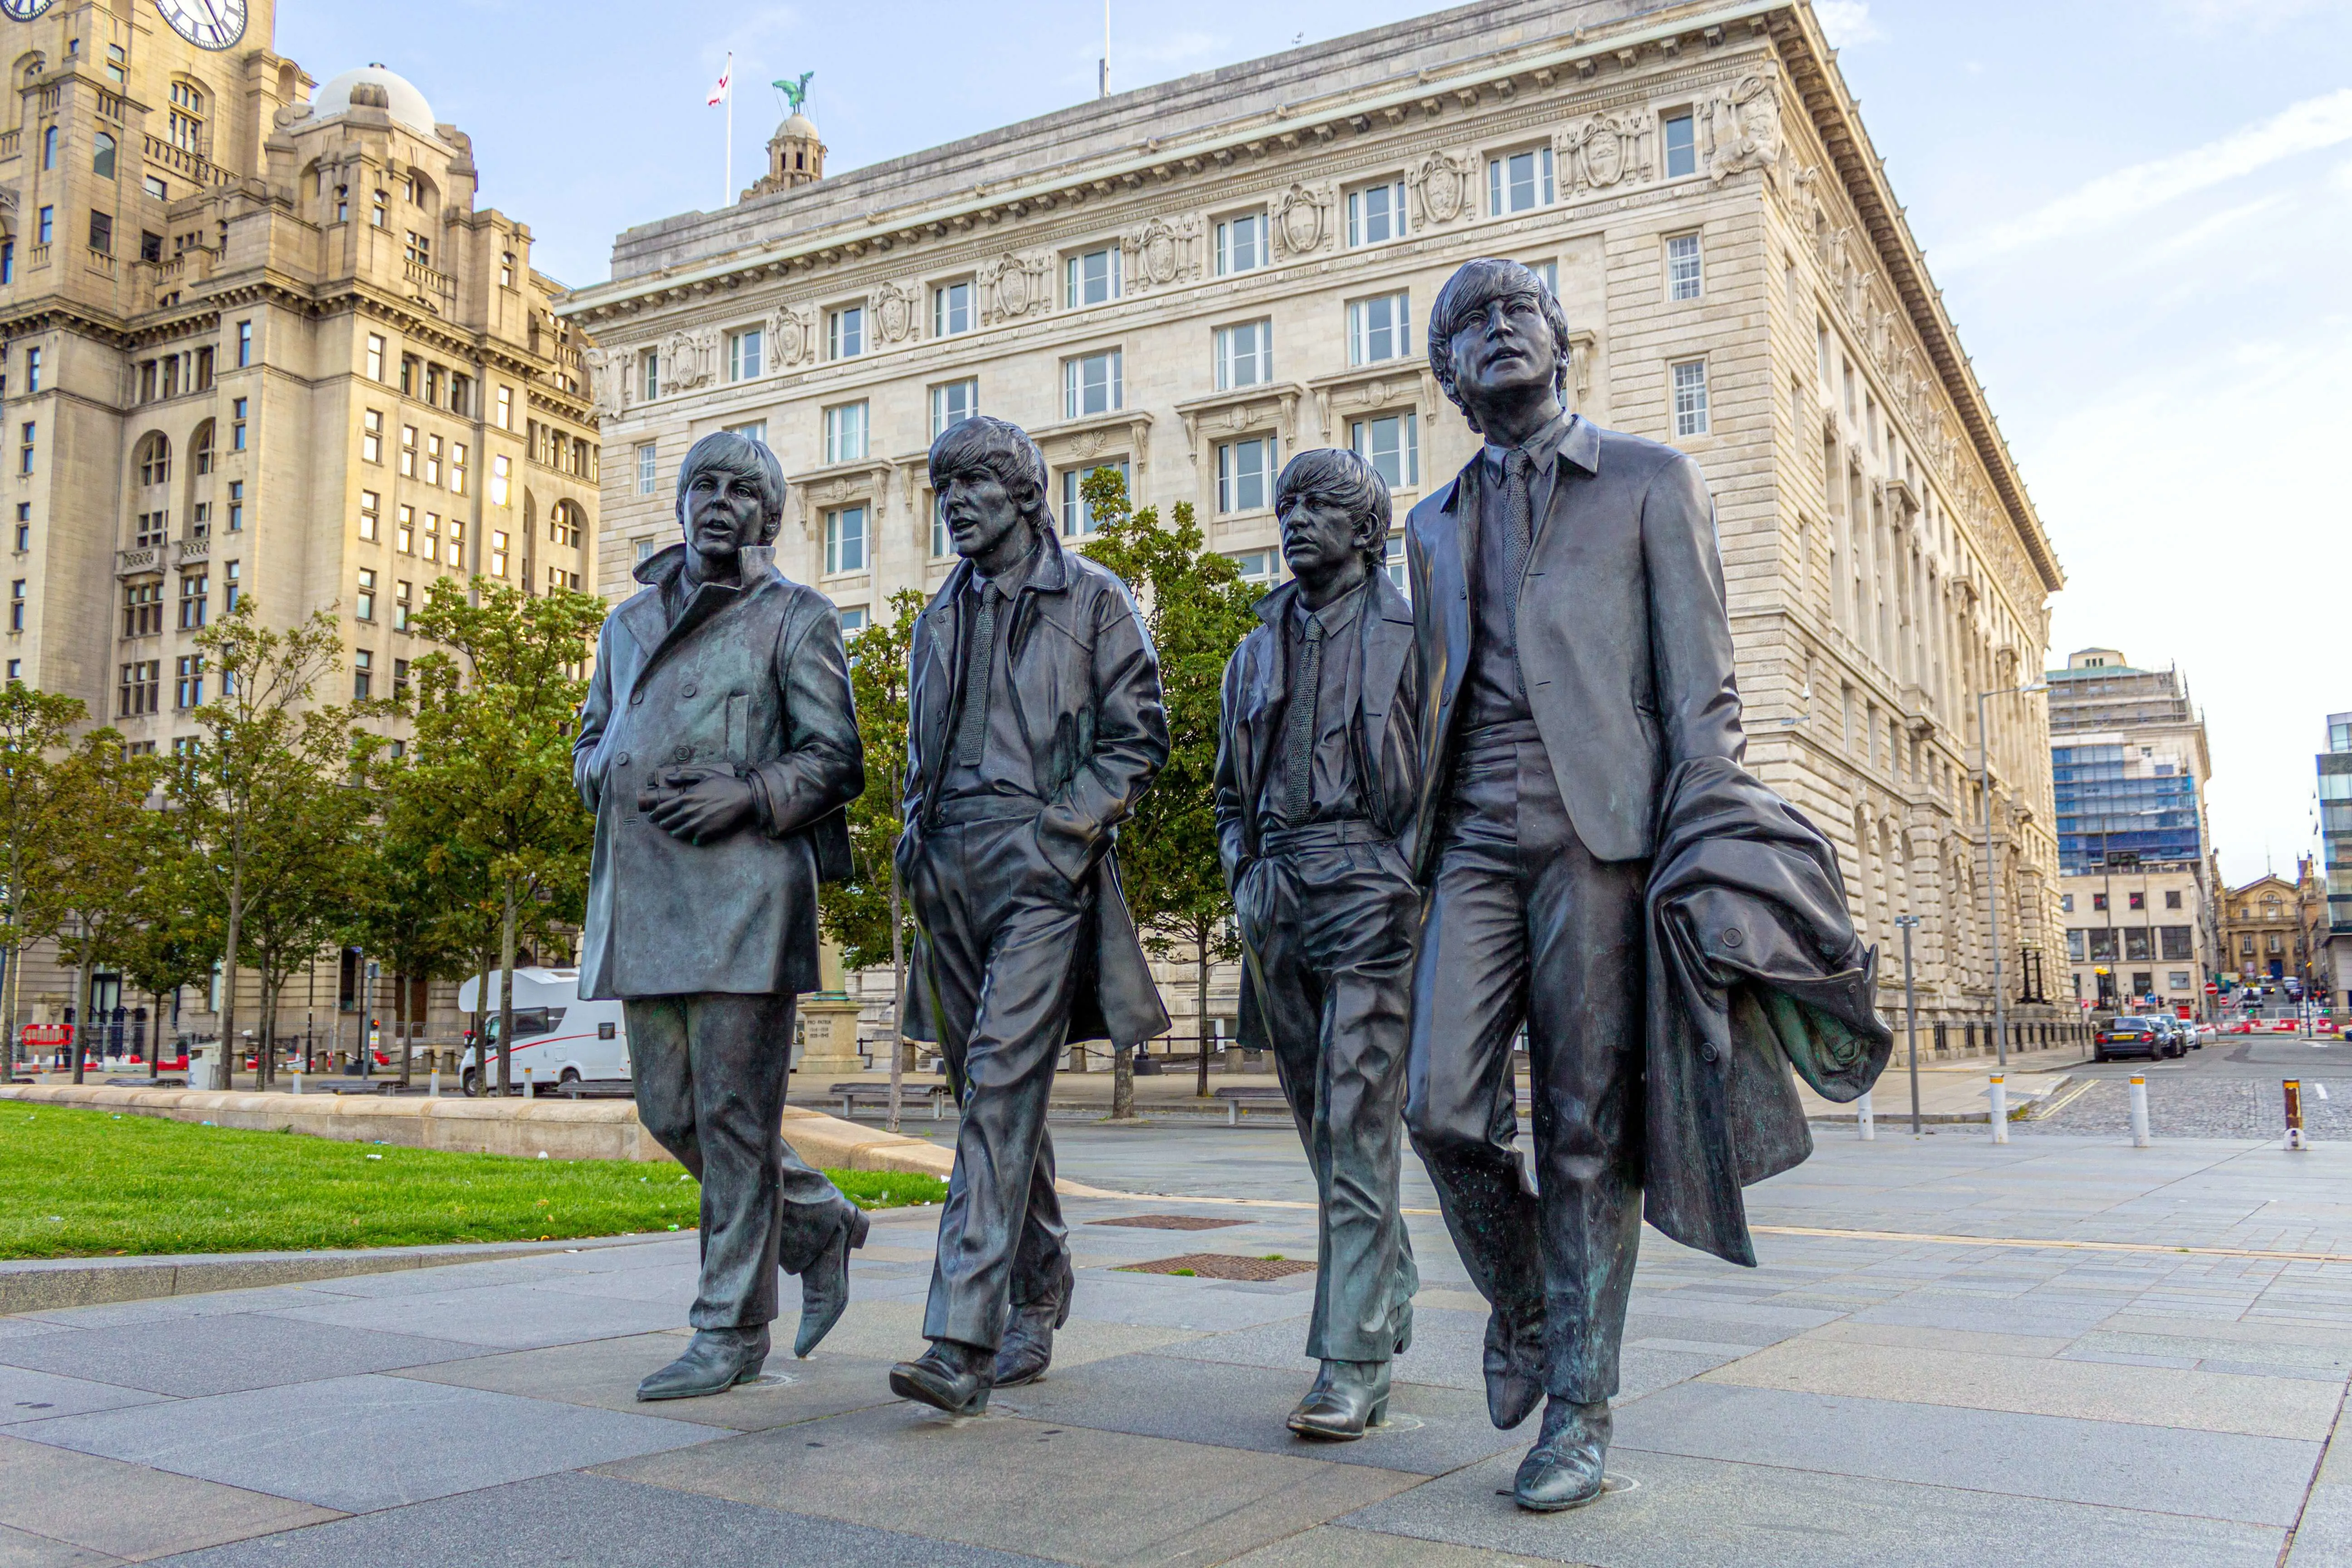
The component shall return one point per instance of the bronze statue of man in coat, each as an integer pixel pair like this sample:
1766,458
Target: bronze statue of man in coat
717,747
1317,791
1578,703
1034,725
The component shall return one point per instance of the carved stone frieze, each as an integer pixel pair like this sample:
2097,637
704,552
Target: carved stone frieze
898,311
1603,150
1303,220
1441,185
791,335
1011,287
1160,253
1744,126
688,359
607,379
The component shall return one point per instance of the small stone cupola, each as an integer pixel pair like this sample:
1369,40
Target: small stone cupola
795,156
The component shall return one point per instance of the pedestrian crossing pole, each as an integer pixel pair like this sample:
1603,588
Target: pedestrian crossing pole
2295,1138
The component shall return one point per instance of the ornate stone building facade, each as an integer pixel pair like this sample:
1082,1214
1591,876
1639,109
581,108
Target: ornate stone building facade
258,342
1192,280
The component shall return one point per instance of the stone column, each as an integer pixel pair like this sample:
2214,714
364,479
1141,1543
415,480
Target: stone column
829,1023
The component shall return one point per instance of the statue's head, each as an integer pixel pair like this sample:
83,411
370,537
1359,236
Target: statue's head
731,493
1330,503
1495,335
990,479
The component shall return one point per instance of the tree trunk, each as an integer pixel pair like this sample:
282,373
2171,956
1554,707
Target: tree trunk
400,1026
1122,1082
506,994
482,1021
1200,945
265,1050
81,1032
897,997
229,965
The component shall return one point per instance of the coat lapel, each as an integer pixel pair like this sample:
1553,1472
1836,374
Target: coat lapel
1451,550
644,612
936,662
1387,632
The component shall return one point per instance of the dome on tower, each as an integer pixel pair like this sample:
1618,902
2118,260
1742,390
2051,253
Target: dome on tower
798,125
373,86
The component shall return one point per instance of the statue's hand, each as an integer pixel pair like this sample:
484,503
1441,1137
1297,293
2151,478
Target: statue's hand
698,806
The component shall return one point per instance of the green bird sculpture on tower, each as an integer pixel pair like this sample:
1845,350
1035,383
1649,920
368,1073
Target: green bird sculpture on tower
795,92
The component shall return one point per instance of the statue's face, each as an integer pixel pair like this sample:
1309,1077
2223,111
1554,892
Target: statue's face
1506,348
1318,536
723,512
980,512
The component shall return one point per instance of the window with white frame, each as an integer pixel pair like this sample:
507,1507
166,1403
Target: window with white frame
952,403
845,332
650,375
1259,568
1392,444
1246,471
1091,277
1244,354
1077,517
1690,397
506,408
844,539
1376,214
1518,181
1091,384
951,308
845,433
648,473
1241,244
744,352
750,430
1379,328
1682,267
1547,273
942,543
1680,133
853,620
1393,562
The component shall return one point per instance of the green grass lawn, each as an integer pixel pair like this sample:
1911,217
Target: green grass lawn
91,1183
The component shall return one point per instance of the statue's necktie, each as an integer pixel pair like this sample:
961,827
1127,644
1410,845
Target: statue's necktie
971,735
1298,758
1517,527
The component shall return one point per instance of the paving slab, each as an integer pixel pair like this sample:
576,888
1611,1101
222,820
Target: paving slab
43,1395
1337,1546
127,1511
510,1317
1072,1494
892,1330
604,1374
1429,1430
2160,1396
220,1354
593,1522
2257,1480
360,1443
1705,1513
22,1549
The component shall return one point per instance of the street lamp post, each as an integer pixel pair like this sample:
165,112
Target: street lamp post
1911,1018
1992,878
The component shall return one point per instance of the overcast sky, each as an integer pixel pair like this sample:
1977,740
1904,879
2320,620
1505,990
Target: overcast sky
2140,213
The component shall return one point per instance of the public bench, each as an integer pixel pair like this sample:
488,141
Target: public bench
853,1095
1241,1096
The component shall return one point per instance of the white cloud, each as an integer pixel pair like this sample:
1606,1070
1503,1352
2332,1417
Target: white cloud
2304,127
1847,21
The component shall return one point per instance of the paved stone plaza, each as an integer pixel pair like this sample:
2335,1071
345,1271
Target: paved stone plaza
1893,1396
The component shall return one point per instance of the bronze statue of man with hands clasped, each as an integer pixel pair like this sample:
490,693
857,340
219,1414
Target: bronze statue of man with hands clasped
1318,787
717,747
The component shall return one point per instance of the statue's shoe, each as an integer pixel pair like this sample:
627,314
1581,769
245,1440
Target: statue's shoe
951,1377
1348,1397
1028,1348
716,1360
1514,1370
825,1284
1566,1467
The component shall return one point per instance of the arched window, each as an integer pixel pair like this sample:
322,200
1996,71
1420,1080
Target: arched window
156,459
187,117
102,158
200,448
50,148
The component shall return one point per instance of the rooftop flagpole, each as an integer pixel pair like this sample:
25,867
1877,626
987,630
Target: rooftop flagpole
724,95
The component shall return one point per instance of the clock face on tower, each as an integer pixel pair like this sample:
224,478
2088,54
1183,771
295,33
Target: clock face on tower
24,10
207,24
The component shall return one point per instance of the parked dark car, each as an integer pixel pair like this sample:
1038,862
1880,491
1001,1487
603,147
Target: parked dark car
2134,1037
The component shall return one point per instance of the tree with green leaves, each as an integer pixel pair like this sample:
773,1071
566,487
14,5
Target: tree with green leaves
268,778
177,939
491,768
101,847
409,905
867,914
1198,610
35,728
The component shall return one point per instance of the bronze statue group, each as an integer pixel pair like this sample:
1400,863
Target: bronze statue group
1507,801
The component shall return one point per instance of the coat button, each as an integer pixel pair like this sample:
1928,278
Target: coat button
635,698
1731,937
684,754
687,693
1706,1053
622,760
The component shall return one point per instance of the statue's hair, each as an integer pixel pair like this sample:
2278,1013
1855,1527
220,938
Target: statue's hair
1003,451
1474,286
1345,479
733,452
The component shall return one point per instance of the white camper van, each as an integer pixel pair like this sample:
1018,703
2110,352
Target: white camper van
562,1043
